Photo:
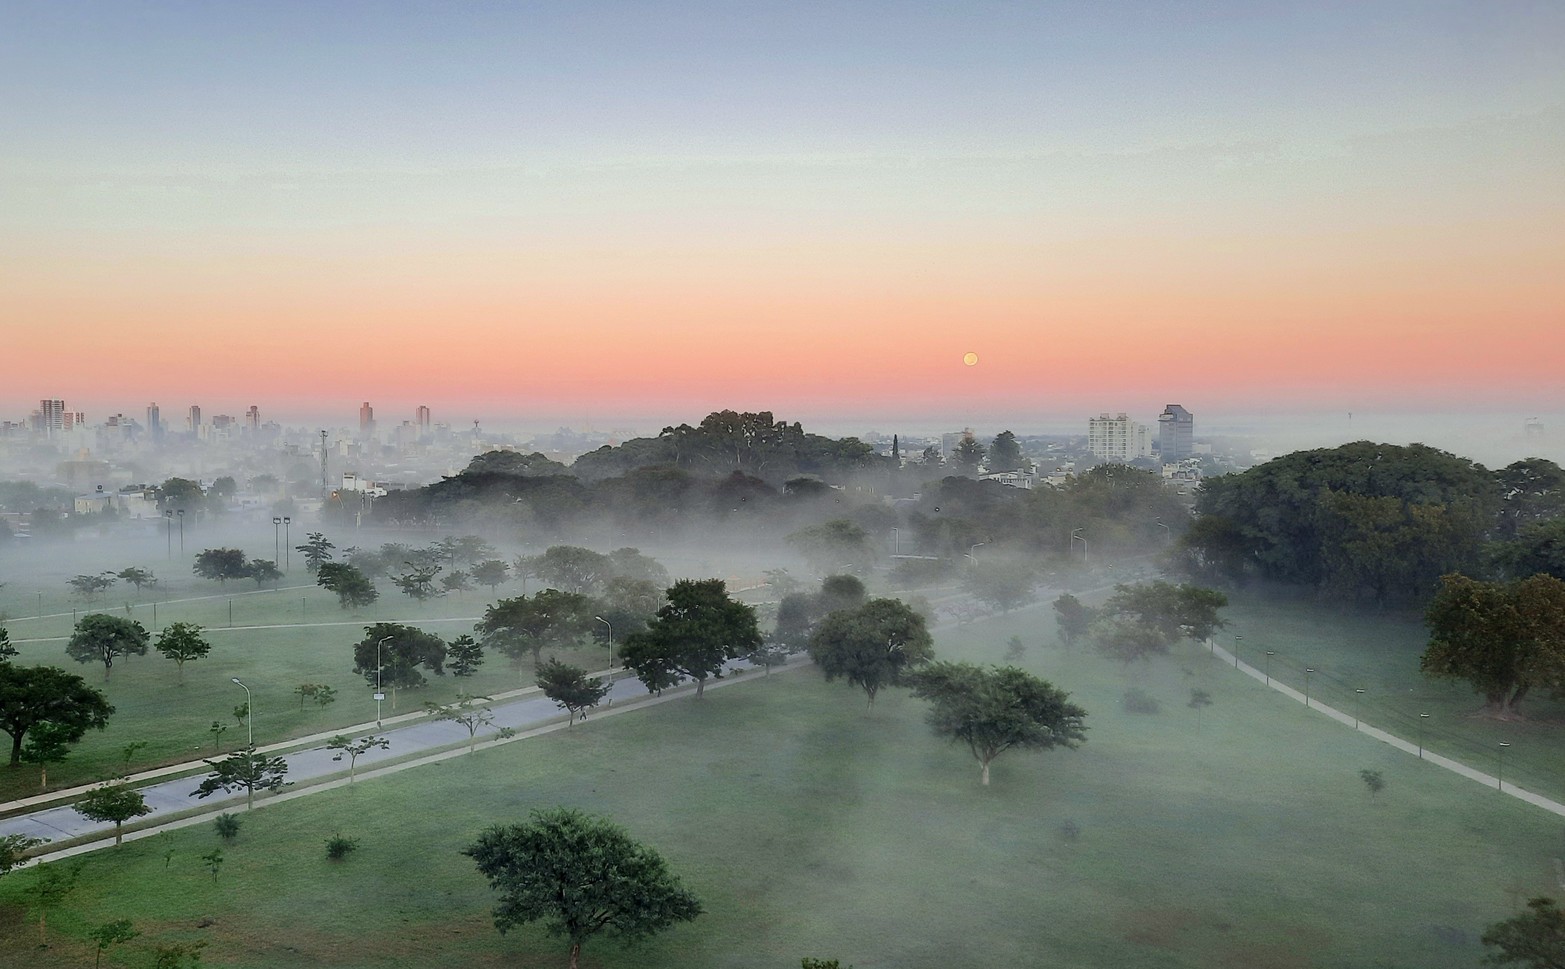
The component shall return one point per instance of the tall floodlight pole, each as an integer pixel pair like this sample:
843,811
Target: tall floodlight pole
611,642
380,693
893,540
168,532
287,543
249,713
323,465
181,514
277,549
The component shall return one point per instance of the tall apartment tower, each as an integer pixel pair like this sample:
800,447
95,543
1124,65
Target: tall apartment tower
1175,433
193,419
253,419
1118,439
366,420
51,417
421,418
154,421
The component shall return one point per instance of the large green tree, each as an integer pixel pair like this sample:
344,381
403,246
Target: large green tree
1533,940
352,586
571,688
1505,639
995,710
101,638
698,631
182,642
872,646
403,654
32,695
1005,454
245,770
317,549
221,564
529,624
117,802
1073,618
581,875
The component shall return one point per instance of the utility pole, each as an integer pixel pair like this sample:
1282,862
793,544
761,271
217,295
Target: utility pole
323,465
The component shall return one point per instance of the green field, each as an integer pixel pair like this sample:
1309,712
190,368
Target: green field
1242,839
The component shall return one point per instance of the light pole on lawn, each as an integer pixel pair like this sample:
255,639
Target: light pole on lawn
1076,537
1500,781
181,514
168,532
277,542
611,642
249,714
1307,672
287,544
380,693
1358,707
1423,718
1269,655
1238,641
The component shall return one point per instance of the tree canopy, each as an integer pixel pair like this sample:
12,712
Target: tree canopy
221,564
581,875
1505,639
33,695
571,688
871,646
523,625
182,642
101,638
117,802
352,586
693,635
998,709
404,653
1534,939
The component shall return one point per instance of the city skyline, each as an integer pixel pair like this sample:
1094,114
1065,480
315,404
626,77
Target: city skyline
610,213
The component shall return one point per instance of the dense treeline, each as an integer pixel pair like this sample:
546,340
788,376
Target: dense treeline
1377,522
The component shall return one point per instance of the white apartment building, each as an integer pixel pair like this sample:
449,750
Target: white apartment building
1118,439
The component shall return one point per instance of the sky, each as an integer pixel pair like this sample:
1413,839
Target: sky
636,213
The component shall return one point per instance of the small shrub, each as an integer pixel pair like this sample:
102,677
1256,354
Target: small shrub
226,826
1070,830
339,846
1137,700
1373,780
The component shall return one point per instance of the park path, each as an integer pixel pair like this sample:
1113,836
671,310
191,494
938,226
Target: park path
527,712
1385,737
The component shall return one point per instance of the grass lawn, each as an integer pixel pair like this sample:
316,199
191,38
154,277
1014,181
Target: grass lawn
1244,838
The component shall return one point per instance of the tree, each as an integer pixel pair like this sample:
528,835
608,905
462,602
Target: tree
14,849
1503,638
89,587
464,656
520,625
109,934
465,713
1199,699
835,545
458,581
100,637
317,551
221,564
52,885
967,455
182,642
354,749
48,743
7,651
694,635
573,569
1003,585
841,592
1373,780
998,709
263,571
1534,939
1128,640
401,651
872,646
1175,611
582,875
137,577
117,802
1073,618
246,771
1005,454
1537,548
571,688
491,572
32,695
353,587
418,582
796,615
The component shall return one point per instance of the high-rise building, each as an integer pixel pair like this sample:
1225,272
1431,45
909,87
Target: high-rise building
253,419
1175,433
154,421
366,420
51,417
1118,439
193,419
421,418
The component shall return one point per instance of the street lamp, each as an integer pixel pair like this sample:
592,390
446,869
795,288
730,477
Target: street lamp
1238,641
277,548
1168,535
1500,781
380,693
287,544
249,713
181,514
168,532
1076,537
1358,707
1269,655
972,553
1423,718
1307,672
611,642
893,540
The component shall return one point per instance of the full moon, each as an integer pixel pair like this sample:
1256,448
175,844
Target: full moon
971,359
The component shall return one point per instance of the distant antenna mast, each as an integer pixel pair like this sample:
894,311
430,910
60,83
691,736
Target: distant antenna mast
323,465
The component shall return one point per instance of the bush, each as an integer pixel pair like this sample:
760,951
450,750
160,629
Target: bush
1137,700
339,846
1070,830
226,826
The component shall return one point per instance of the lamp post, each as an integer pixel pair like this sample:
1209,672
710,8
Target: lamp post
1076,537
611,642
287,544
1238,641
1307,672
168,532
1422,719
1168,534
277,547
1500,781
380,693
1357,707
249,713
893,539
972,553
1269,655
181,514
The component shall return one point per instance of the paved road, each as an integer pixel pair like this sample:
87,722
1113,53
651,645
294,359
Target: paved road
173,796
